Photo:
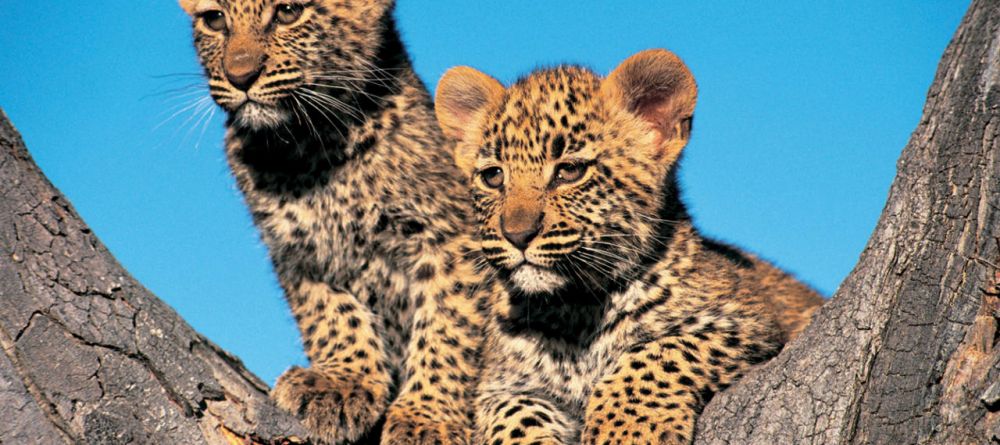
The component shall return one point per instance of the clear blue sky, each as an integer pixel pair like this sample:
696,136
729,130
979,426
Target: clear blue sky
803,109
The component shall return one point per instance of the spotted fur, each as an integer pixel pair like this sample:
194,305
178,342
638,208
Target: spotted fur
333,144
618,321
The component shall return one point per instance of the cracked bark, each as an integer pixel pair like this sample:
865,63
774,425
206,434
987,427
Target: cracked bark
92,357
906,352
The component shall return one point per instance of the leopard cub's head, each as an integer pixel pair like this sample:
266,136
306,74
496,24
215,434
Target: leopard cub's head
267,61
569,169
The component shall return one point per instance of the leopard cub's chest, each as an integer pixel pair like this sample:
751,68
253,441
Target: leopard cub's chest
338,227
567,366
567,371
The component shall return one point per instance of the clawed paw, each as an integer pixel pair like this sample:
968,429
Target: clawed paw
333,409
407,427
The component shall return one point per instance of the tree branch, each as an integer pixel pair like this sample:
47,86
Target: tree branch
89,355
908,345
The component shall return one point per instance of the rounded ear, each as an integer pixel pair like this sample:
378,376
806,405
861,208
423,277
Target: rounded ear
656,86
189,6
462,95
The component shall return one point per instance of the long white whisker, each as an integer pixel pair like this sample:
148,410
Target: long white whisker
195,118
193,105
323,111
333,102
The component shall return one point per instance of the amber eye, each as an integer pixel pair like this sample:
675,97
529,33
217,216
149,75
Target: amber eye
214,20
492,177
286,14
568,172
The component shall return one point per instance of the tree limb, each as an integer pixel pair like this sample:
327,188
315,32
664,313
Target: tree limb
89,355
906,350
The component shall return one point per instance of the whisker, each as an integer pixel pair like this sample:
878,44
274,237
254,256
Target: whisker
196,117
176,75
211,114
182,91
194,105
309,123
341,88
332,102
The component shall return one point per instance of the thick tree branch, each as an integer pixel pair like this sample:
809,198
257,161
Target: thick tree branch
907,348
89,355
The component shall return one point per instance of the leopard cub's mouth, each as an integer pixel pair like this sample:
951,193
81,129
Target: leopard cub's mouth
533,279
257,116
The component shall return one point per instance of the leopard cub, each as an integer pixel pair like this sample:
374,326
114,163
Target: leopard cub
616,321
332,142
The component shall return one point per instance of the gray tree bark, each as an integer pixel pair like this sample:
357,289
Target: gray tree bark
92,357
906,352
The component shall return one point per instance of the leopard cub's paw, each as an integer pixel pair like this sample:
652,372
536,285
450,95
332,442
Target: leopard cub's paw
408,424
333,408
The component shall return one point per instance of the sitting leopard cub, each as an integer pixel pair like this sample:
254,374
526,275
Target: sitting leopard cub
332,141
619,321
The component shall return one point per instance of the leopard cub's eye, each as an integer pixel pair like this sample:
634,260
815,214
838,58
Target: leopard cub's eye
286,13
492,177
568,172
214,20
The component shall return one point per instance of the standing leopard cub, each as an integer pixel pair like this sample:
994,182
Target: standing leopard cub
333,143
618,321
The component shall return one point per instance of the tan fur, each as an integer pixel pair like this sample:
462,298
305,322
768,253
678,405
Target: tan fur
618,321
189,6
355,193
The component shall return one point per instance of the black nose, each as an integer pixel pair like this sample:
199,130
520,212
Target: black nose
244,79
520,238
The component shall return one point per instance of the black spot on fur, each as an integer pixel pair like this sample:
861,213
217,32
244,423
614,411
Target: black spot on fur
425,272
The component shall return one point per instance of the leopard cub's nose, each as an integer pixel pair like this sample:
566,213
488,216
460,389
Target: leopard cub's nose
243,80
243,65
521,239
520,227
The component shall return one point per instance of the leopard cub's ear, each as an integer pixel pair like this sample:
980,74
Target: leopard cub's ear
463,96
189,6
656,86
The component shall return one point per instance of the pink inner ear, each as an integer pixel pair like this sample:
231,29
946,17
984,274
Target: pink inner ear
665,114
466,105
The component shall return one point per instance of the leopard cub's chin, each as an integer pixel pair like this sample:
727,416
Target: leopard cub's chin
535,280
260,117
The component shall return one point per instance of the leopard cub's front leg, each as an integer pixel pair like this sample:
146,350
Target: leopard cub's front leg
345,391
655,393
410,422
503,418
434,406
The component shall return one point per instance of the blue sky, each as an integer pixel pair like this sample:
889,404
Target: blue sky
804,108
